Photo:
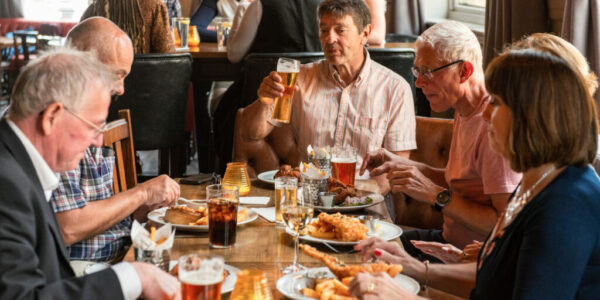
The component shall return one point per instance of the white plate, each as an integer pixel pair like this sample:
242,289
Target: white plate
387,231
267,176
337,208
229,282
291,285
158,215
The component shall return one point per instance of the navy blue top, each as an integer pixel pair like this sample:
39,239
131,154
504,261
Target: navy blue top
202,17
551,249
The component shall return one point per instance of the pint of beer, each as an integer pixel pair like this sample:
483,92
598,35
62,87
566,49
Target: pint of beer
201,276
286,192
288,71
343,164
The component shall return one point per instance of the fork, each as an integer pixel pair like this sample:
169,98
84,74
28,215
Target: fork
338,251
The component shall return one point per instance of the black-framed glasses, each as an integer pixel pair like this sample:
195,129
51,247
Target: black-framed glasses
428,74
97,130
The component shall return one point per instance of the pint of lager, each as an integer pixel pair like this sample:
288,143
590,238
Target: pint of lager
288,71
201,276
343,164
286,191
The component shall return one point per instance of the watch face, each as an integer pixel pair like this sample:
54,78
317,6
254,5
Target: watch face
443,197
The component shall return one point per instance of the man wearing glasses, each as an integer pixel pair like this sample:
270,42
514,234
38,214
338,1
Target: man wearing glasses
473,188
94,223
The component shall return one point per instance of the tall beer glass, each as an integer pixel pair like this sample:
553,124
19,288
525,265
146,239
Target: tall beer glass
288,71
343,164
201,276
286,191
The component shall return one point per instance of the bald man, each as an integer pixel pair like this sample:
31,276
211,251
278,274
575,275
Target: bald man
94,223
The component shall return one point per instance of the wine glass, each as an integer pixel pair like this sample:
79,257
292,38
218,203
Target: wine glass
296,216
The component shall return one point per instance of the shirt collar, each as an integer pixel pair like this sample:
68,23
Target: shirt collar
46,176
363,73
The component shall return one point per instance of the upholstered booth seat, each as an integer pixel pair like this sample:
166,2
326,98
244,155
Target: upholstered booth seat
156,93
433,145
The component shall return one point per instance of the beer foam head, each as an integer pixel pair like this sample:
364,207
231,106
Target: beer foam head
287,65
343,160
201,278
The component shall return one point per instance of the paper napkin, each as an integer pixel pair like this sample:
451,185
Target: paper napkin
266,212
254,200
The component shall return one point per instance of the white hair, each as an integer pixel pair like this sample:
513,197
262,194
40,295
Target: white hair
453,41
63,75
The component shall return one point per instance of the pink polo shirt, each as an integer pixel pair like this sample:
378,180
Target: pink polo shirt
374,111
475,171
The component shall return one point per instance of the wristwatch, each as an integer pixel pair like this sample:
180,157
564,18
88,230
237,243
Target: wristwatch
442,199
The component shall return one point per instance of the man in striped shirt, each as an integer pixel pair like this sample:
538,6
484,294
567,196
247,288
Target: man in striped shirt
346,99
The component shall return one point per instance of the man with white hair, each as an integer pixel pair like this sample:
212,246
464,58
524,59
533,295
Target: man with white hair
473,189
59,107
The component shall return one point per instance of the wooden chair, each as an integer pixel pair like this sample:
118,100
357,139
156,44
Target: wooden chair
120,139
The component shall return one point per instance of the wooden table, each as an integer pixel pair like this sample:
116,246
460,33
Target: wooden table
260,244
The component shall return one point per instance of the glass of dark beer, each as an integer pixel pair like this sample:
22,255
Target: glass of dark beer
222,201
201,276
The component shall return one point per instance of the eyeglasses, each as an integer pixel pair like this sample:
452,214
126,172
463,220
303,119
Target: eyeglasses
97,130
428,74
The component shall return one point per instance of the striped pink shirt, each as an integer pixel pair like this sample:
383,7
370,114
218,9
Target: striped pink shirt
374,111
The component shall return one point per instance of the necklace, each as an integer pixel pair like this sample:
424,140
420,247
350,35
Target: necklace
518,202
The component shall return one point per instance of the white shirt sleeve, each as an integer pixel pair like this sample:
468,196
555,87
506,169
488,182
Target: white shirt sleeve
243,31
131,286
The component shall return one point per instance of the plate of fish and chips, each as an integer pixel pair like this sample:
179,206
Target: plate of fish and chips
331,282
186,218
344,230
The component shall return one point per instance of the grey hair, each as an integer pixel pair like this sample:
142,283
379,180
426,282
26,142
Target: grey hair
63,75
453,41
339,8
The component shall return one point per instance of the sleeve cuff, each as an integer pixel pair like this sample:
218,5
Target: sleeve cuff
131,286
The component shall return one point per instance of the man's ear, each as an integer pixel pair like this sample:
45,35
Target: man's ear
49,117
466,71
366,32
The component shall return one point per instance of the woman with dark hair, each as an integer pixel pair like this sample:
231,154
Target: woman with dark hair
145,21
546,245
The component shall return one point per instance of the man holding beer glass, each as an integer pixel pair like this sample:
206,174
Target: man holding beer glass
345,100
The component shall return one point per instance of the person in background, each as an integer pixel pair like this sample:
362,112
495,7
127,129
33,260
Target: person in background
145,21
209,9
377,8
173,8
472,190
85,193
275,26
543,120
58,108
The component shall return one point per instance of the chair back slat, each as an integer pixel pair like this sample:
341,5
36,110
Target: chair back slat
120,139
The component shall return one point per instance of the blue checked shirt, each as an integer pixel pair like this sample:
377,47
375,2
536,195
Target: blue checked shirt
174,8
92,181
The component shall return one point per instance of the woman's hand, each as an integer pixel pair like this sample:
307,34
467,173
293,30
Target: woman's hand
448,253
377,286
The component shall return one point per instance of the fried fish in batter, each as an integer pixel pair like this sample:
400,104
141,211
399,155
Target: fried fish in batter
346,228
341,270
